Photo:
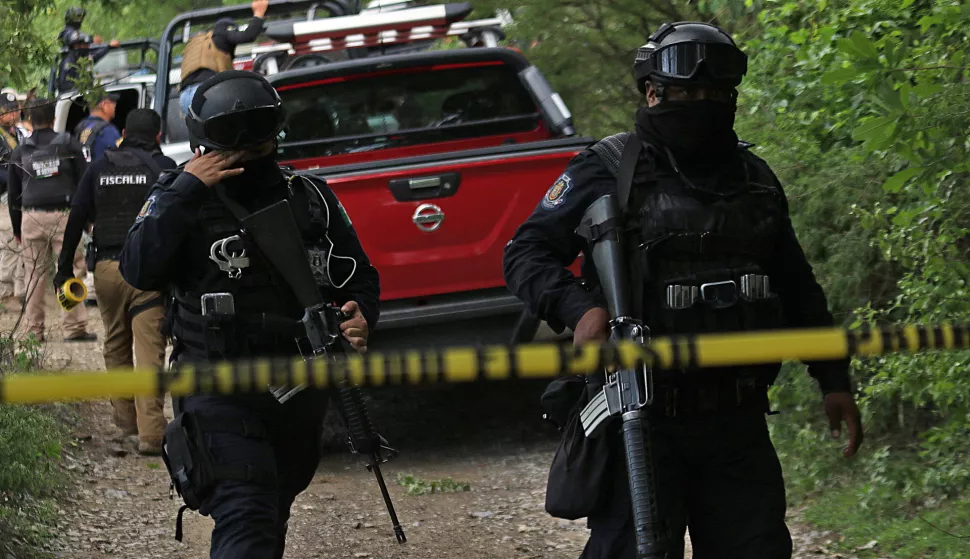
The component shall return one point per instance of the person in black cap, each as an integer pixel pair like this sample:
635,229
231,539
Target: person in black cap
110,194
96,132
710,248
242,459
209,53
75,45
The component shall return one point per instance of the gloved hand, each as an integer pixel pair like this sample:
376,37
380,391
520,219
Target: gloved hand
60,277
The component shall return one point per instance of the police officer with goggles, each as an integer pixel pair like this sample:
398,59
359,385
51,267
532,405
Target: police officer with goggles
110,195
711,249
243,459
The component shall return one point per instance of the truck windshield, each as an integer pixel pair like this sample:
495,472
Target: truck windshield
376,111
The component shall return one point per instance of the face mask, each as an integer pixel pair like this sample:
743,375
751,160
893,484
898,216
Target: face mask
693,130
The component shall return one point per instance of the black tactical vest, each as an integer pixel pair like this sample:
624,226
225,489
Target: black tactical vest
701,239
267,313
51,180
120,191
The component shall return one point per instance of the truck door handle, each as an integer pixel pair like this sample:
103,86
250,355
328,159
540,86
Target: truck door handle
425,187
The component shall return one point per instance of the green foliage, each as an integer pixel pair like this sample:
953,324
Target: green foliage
418,486
874,96
30,450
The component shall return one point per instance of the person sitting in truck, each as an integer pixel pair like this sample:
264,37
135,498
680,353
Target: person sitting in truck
209,53
77,45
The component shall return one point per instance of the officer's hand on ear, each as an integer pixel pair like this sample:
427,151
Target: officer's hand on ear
355,329
839,407
592,327
214,167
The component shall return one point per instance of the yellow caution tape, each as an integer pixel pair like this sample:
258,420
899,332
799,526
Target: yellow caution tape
469,364
72,293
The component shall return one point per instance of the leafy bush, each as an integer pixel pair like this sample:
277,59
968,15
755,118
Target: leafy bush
30,449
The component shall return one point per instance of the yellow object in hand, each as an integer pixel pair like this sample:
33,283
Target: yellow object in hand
72,293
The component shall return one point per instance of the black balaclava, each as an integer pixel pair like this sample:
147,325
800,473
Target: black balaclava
260,184
699,134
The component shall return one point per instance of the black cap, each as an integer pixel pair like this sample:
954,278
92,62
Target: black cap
143,125
8,101
105,96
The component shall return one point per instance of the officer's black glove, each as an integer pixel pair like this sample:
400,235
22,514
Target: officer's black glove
60,278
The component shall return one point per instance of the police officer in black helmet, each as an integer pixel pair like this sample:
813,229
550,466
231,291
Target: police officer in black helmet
76,44
712,249
243,459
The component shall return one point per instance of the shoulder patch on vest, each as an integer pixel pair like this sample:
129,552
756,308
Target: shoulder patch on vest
147,209
556,194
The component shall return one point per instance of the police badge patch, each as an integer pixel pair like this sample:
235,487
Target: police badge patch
318,263
147,209
556,194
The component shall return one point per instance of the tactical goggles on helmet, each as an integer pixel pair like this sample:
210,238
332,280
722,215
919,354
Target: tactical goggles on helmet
237,129
718,62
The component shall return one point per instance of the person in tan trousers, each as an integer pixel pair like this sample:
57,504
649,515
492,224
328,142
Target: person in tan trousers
110,195
43,173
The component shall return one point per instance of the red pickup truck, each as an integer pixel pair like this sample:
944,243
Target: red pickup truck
437,155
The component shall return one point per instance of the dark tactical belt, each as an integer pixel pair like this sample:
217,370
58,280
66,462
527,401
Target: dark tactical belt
730,395
723,293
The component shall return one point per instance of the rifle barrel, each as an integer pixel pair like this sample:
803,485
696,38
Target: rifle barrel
398,530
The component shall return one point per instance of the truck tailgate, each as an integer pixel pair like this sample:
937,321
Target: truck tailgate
439,224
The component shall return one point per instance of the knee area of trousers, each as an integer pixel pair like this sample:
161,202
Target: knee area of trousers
243,504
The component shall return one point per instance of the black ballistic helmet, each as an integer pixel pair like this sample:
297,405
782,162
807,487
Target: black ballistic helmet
74,16
234,110
690,53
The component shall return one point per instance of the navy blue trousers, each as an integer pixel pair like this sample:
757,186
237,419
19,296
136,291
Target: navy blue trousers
719,476
251,517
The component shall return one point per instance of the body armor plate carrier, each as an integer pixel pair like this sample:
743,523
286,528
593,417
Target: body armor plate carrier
51,179
120,191
202,52
700,253
267,314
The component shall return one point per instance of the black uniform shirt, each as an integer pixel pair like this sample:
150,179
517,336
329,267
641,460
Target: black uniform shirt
165,247
17,178
536,259
83,206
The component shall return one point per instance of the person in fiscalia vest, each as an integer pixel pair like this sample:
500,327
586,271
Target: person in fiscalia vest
110,195
211,52
44,172
711,248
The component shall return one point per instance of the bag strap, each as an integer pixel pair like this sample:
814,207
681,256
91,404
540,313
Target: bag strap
95,131
628,167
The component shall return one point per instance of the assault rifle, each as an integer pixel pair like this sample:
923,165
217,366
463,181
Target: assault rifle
275,232
627,393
